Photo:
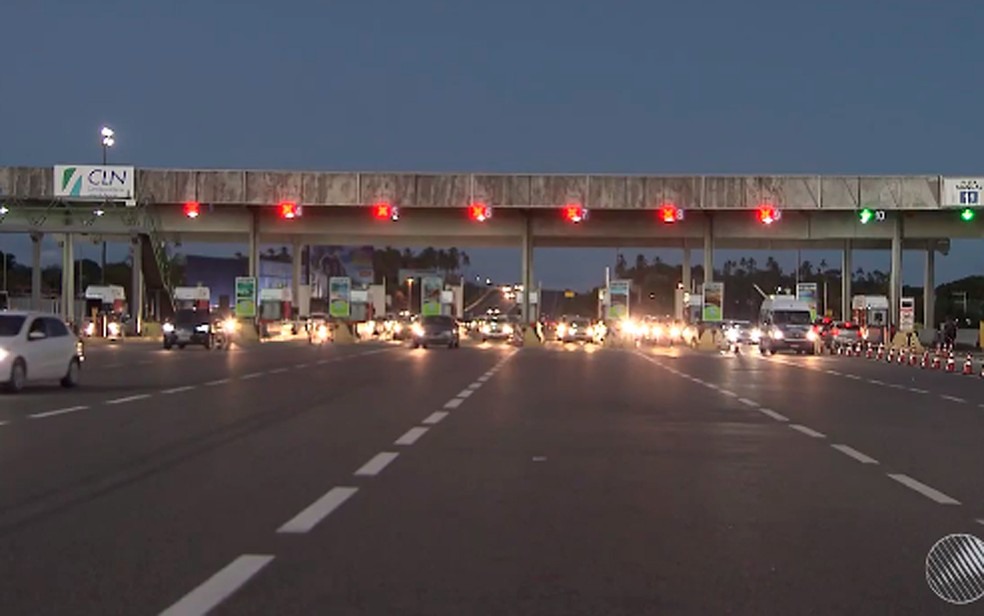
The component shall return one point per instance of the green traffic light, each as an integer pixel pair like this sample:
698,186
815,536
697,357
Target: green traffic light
866,215
967,215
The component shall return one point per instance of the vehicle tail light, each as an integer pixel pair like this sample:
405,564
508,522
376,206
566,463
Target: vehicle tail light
837,331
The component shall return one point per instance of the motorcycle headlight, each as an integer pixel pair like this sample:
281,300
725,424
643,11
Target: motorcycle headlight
229,326
90,329
733,335
168,328
776,334
417,329
203,328
114,329
507,329
811,336
486,329
561,330
756,334
675,332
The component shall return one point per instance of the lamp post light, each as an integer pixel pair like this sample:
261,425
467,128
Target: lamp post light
108,140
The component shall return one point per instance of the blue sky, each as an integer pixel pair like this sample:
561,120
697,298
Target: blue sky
532,86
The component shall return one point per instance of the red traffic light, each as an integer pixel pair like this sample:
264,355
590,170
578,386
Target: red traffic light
768,214
385,211
575,213
192,209
479,212
289,210
669,213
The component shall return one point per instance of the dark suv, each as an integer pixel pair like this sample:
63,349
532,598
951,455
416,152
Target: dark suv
188,327
435,330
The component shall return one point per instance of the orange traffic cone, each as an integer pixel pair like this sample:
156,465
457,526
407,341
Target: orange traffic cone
936,362
870,352
925,361
891,355
881,350
913,359
968,365
902,357
951,365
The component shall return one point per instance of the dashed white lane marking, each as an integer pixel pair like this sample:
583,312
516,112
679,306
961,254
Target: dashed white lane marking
748,402
219,587
916,390
953,398
712,385
854,453
251,375
178,390
728,392
808,431
71,409
853,377
895,386
474,386
299,366
218,382
465,393
833,372
925,490
128,399
4,423
321,362
979,520
376,465
412,436
318,510
453,403
278,371
435,417
483,378
876,382
772,414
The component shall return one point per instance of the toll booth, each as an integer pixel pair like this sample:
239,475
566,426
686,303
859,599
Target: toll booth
105,309
193,298
275,311
871,313
4,301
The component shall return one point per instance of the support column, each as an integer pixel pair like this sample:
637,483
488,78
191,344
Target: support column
929,290
296,262
254,245
895,293
709,249
136,286
847,272
685,275
527,279
36,270
68,278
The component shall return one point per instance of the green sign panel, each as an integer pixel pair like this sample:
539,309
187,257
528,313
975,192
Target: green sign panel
340,297
713,302
245,297
618,299
807,292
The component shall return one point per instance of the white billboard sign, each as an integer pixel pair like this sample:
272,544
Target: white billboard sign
94,182
962,192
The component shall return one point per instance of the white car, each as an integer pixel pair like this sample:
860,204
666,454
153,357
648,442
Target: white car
37,347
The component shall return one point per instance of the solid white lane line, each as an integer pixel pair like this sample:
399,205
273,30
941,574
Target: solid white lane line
412,436
854,453
128,399
748,402
278,371
465,393
218,382
251,375
318,510
219,587
453,403
925,490
435,417
474,386
70,409
773,414
376,465
916,390
807,431
952,398
177,390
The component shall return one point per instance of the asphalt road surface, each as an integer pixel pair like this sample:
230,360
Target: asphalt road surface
375,479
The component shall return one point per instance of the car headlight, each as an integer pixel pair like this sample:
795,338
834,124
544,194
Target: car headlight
168,328
561,330
733,335
486,329
776,334
4,354
114,329
202,328
90,329
417,329
756,334
229,326
811,336
675,332
507,329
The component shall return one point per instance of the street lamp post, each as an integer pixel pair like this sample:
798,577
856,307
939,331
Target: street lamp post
410,295
108,140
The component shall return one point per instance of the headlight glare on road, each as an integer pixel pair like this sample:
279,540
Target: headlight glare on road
230,326
507,330
675,332
756,334
732,335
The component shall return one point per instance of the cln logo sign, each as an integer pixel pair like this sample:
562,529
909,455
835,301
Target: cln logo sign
93,182
962,192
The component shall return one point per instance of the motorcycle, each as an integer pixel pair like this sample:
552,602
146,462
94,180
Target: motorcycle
320,335
224,332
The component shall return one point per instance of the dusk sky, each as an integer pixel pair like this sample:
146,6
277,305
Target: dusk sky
533,86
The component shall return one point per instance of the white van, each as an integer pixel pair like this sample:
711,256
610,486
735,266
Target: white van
786,323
